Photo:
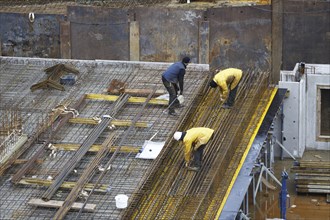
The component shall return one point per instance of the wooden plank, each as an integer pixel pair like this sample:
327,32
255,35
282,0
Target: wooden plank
312,178
97,147
267,184
311,186
315,164
65,185
134,41
310,171
319,182
118,123
138,92
304,190
57,204
137,100
22,161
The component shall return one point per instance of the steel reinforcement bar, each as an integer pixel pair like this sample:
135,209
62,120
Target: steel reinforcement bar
172,192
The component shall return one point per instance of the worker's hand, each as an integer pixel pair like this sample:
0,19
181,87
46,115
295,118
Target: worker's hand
222,99
187,164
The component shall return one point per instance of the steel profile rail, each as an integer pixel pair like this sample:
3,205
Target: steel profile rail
114,155
68,168
55,127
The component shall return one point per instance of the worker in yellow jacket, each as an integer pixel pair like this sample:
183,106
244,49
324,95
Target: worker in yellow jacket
194,140
227,80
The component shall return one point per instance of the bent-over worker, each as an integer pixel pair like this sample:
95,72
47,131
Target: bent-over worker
194,140
227,80
173,81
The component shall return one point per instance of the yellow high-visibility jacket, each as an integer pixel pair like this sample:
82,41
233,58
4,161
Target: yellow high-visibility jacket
194,138
226,77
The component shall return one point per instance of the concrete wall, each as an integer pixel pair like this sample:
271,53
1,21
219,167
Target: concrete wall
300,109
313,81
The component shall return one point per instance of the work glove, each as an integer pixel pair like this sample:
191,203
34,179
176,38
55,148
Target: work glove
187,164
180,99
222,99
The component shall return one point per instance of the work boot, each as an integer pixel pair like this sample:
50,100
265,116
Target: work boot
226,106
193,168
173,113
179,106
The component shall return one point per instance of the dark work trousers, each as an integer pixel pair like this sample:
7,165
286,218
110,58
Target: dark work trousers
198,156
172,91
232,95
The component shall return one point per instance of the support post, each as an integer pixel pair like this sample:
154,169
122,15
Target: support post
65,39
134,41
277,35
281,145
203,42
283,195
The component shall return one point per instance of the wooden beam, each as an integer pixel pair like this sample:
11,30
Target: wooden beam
96,148
138,92
134,41
57,204
119,123
22,161
137,100
65,185
277,40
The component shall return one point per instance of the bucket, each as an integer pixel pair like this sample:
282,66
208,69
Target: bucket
121,201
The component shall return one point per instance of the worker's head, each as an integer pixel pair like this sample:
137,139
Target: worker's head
177,135
213,84
186,60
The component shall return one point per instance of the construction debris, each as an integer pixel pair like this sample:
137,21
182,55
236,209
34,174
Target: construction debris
58,204
312,176
54,75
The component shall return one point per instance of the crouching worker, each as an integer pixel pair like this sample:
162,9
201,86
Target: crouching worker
227,80
194,140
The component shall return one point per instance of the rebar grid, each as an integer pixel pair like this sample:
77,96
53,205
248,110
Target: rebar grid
94,77
170,192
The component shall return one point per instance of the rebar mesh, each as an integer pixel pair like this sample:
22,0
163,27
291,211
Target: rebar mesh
17,76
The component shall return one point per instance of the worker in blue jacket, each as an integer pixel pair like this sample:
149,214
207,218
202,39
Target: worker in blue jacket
173,81
194,140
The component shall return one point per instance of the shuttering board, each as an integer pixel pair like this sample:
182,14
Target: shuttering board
58,204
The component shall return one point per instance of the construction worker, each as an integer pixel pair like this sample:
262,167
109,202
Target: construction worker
194,140
173,81
227,80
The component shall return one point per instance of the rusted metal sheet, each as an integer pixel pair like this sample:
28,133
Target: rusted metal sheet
99,33
306,33
22,38
240,37
168,34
